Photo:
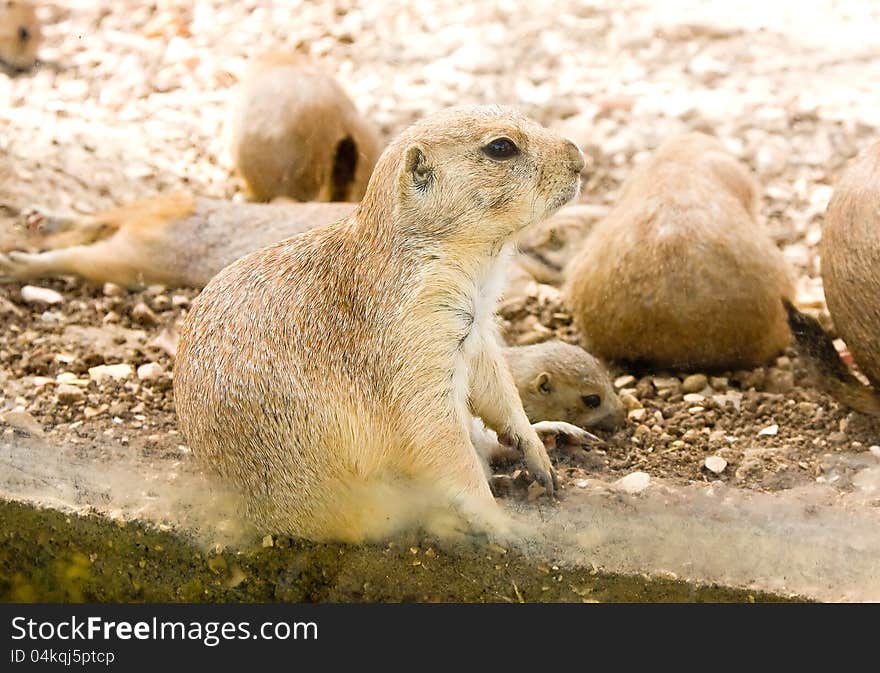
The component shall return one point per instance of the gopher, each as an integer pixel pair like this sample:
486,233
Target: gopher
332,377
850,254
183,241
20,35
558,381
678,274
294,132
177,240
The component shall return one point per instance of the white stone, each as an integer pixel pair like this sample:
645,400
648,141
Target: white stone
634,483
119,372
624,381
769,431
150,371
40,295
715,464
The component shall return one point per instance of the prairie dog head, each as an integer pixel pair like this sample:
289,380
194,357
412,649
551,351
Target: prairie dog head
561,382
20,34
475,176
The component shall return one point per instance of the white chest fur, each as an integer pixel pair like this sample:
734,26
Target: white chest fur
480,302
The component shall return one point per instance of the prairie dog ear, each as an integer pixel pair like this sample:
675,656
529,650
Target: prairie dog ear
417,170
542,384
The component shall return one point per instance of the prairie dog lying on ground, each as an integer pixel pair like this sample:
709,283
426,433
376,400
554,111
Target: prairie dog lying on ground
180,240
177,240
679,274
294,132
332,377
20,35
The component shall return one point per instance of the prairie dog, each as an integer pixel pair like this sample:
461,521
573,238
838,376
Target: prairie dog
560,382
332,377
177,240
294,132
181,240
20,34
679,274
850,253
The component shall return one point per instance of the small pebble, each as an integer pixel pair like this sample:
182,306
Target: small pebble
23,421
634,483
769,431
40,295
624,381
150,371
113,290
694,383
144,315
68,394
715,464
119,372
636,414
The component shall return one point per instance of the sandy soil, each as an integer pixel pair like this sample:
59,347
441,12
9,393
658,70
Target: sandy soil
131,103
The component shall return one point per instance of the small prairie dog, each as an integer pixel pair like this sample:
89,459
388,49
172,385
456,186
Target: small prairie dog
20,34
679,274
177,240
561,382
850,253
332,378
294,132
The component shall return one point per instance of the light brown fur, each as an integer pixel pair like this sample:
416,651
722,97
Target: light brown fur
558,381
332,377
20,34
679,274
177,240
294,132
850,252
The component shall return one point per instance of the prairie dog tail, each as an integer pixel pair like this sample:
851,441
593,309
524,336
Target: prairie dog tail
829,372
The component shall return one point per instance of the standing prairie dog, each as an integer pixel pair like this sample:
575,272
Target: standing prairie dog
20,34
850,253
332,377
294,132
177,240
679,274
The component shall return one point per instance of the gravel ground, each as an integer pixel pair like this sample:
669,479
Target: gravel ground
130,103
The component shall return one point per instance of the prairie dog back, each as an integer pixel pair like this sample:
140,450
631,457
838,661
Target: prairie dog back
20,34
679,274
294,132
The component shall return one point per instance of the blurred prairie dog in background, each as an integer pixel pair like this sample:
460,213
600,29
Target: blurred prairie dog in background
20,35
850,253
177,240
180,240
679,274
294,132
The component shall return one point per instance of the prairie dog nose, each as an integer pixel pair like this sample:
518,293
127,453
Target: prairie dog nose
575,156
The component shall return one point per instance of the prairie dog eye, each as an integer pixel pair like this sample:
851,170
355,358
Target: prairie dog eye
592,401
24,34
501,148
